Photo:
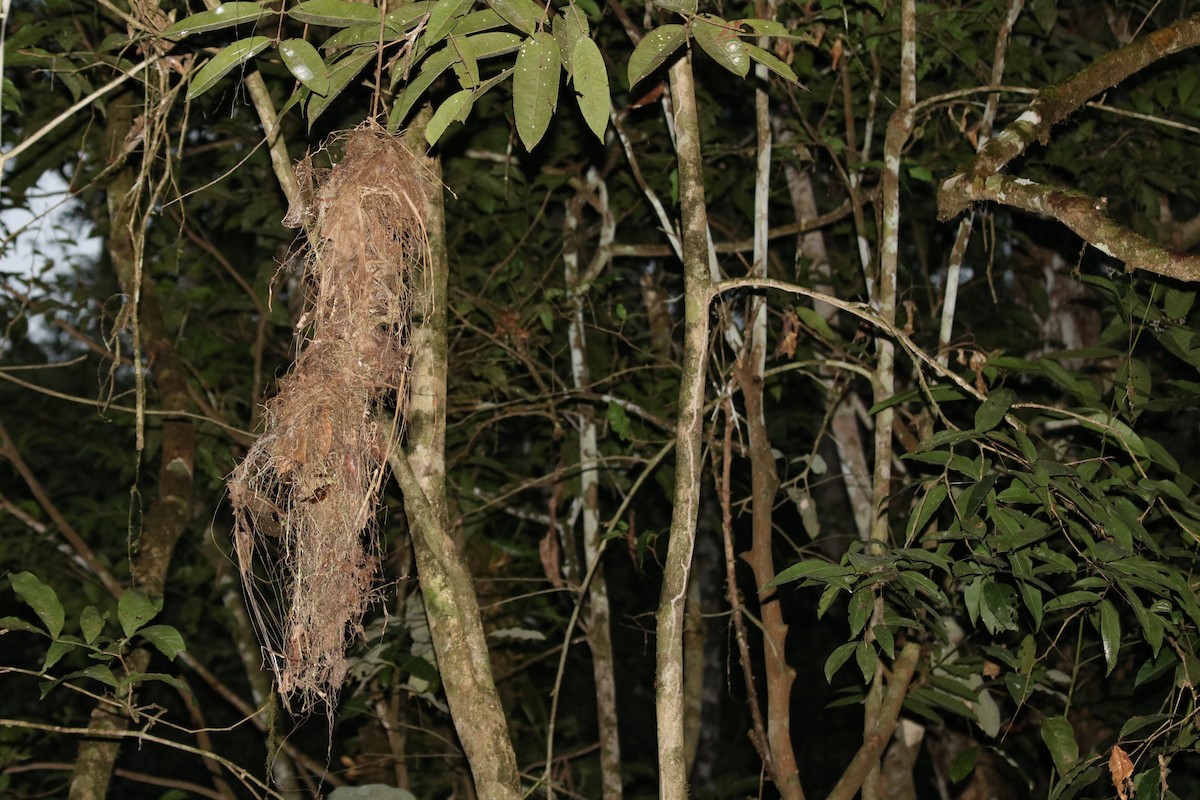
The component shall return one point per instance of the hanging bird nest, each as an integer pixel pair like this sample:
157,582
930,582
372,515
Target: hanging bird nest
305,498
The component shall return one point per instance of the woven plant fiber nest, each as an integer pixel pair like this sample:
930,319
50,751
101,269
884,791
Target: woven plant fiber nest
305,497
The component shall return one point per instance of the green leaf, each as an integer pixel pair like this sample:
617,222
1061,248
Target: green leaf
591,86
653,51
434,66
455,108
17,624
91,623
569,27
867,660
535,87
987,713
1060,739
720,40
55,652
1070,600
772,63
467,67
928,505
341,74
227,59
990,414
305,64
97,672
524,15
618,420
837,658
442,18
493,43
135,609
862,604
685,7
964,765
42,599
165,638
225,15
1110,634
886,640
764,27
334,13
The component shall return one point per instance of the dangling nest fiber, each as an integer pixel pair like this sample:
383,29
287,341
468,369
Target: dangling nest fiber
305,497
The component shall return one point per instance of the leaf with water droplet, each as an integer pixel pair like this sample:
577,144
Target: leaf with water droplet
720,40
225,15
304,62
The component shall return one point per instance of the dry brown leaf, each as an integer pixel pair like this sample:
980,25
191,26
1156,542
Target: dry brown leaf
1120,767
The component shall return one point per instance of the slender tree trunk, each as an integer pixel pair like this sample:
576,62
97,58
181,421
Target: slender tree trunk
599,634
899,129
764,479
170,511
669,690
446,585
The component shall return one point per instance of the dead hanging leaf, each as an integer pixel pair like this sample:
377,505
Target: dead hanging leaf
1120,767
551,555
789,336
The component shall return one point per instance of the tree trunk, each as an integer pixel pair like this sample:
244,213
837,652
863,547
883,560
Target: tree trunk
669,689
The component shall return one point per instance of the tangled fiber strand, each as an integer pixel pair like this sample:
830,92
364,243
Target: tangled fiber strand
305,497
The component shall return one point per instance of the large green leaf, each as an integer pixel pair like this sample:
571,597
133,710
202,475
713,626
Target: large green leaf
1110,634
570,26
653,51
41,598
305,64
535,87
334,13
165,638
524,15
720,40
341,74
772,63
433,66
225,15
227,59
927,506
491,44
135,609
590,79
442,18
989,415
455,108
1059,737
